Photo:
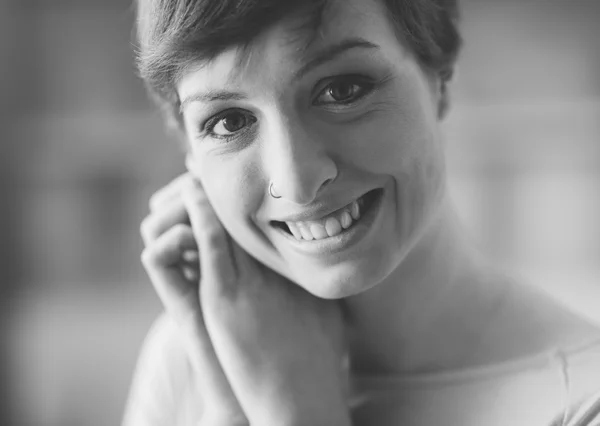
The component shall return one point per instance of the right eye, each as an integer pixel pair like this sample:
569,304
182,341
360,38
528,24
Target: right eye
229,123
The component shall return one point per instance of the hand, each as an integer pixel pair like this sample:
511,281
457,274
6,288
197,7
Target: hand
171,260
280,347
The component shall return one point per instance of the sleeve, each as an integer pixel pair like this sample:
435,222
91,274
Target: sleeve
161,393
582,370
586,412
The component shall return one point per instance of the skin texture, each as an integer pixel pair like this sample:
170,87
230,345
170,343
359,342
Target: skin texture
249,367
318,152
432,303
415,296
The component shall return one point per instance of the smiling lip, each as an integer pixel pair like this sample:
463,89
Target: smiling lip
343,240
315,214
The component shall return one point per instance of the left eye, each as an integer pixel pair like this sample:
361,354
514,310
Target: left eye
344,91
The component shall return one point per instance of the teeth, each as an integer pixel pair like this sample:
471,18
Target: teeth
294,230
304,231
330,227
318,231
354,210
333,226
346,220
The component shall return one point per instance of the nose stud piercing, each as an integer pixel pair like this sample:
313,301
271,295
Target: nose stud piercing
271,192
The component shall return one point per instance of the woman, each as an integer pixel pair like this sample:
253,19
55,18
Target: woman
310,263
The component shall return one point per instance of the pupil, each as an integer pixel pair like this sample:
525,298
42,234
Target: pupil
233,122
342,91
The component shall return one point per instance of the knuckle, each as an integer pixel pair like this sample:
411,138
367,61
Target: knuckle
181,235
148,229
180,231
148,257
155,200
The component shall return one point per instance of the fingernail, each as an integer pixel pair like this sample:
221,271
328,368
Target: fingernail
191,274
191,255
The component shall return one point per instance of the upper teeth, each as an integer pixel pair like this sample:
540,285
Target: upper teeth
328,226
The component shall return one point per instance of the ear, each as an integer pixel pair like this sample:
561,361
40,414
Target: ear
444,81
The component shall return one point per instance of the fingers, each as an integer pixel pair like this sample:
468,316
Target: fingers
172,261
166,264
216,256
191,256
162,260
163,218
191,265
166,210
180,298
171,191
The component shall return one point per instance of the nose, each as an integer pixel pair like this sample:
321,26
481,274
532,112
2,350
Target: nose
298,164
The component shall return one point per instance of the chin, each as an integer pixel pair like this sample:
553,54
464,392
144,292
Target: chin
335,289
345,279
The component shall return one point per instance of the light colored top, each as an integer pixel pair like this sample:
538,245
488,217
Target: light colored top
543,390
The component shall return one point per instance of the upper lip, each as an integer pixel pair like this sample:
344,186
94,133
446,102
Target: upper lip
317,212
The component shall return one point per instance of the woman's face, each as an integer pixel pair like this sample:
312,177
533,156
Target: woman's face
349,124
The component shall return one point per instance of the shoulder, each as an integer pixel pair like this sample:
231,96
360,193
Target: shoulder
582,388
162,355
582,368
162,377
528,320
163,341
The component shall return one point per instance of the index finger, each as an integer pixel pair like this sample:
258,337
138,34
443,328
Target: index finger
171,190
216,254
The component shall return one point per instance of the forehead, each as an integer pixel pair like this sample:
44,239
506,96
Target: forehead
283,44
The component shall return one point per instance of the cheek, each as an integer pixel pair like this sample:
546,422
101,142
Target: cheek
396,142
420,194
405,143
402,129
232,188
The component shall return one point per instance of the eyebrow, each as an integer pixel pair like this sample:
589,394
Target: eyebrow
326,55
331,52
211,96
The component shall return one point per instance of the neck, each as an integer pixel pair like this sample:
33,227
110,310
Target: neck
422,316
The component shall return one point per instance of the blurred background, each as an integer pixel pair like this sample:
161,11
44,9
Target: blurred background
82,150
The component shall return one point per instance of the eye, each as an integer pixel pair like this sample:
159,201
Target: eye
228,123
344,90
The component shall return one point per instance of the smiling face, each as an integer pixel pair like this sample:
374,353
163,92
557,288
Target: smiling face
353,117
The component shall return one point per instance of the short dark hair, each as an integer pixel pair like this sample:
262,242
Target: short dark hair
172,34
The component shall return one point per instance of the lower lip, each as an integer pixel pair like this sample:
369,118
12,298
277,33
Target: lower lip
343,241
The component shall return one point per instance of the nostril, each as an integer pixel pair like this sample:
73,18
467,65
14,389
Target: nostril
324,184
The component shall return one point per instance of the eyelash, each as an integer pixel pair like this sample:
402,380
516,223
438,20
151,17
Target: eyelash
365,84
211,123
